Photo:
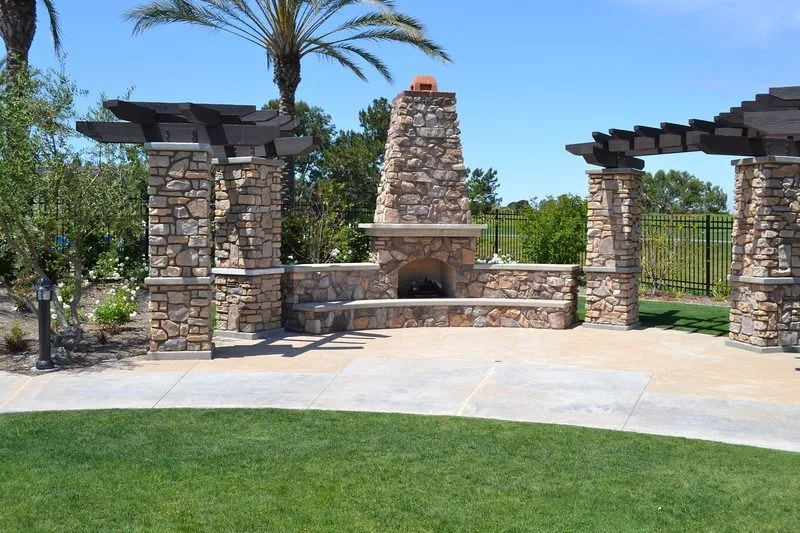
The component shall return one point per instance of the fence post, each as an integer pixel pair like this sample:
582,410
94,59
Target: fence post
708,254
497,231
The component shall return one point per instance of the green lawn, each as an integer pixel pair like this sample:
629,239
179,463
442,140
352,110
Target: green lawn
708,319
244,470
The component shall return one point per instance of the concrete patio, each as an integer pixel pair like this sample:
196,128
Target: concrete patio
650,381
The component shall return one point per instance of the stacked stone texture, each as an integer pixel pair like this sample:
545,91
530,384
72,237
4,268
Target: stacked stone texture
510,316
248,236
524,284
422,181
614,242
766,244
180,248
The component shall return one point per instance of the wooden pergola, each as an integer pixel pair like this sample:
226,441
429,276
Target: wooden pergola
232,130
767,125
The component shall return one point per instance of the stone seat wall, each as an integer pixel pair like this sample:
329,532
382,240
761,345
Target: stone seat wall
321,299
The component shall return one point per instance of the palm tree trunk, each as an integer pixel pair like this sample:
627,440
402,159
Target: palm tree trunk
287,78
17,27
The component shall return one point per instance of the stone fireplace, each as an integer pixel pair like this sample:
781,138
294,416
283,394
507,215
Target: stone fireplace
421,229
423,270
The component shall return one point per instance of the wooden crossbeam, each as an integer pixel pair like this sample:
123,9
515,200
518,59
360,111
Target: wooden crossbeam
223,134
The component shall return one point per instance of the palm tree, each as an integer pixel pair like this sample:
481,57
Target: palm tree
290,30
18,26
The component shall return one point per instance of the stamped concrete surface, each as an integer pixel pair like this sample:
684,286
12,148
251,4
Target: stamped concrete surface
650,381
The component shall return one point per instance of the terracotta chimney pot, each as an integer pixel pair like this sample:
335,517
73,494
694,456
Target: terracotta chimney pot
424,83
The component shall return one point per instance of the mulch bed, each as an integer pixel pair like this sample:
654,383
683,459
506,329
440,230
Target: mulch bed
131,341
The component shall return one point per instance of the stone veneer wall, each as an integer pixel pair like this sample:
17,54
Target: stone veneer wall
179,250
248,245
613,251
304,284
422,180
765,280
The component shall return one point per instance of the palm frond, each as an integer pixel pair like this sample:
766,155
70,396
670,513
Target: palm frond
55,26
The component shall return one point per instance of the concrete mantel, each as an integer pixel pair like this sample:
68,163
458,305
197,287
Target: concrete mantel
248,160
526,266
177,147
331,267
423,230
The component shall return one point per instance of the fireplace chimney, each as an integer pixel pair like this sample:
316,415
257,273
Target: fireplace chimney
424,83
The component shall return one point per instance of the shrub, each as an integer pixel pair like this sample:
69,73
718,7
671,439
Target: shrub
15,339
555,230
116,308
320,232
664,252
721,290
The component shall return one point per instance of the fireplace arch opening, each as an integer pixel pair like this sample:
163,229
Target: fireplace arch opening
426,278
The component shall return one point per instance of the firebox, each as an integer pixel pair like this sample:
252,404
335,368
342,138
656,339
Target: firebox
426,278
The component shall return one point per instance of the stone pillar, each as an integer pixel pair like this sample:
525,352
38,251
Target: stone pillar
180,250
613,250
765,271
248,247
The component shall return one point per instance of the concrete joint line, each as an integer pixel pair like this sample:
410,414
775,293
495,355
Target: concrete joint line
311,405
16,392
174,384
477,388
636,404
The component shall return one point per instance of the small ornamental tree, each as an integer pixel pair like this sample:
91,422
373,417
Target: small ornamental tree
55,199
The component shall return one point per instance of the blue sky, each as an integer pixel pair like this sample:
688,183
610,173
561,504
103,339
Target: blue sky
531,76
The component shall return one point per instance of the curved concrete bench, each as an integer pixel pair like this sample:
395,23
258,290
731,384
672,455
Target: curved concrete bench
327,317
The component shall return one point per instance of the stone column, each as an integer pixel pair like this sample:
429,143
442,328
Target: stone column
248,247
613,251
765,271
180,250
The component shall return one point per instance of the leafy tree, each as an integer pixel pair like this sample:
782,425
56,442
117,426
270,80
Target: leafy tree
519,205
354,159
676,191
290,30
312,121
482,190
54,199
18,26
555,230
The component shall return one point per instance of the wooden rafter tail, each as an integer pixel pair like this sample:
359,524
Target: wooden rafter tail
260,116
647,131
200,114
600,137
131,111
702,125
583,148
774,123
292,146
786,93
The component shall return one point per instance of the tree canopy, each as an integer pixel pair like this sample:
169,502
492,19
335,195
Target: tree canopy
482,190
675,191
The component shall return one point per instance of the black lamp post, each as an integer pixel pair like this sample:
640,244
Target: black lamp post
44,294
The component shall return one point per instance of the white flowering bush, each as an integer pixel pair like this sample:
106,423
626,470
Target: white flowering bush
117,307
501,259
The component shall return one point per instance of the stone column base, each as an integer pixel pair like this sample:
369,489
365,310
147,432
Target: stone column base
765,314
612,298
248,302
180,324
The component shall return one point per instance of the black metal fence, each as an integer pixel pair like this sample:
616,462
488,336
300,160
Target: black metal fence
690,253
